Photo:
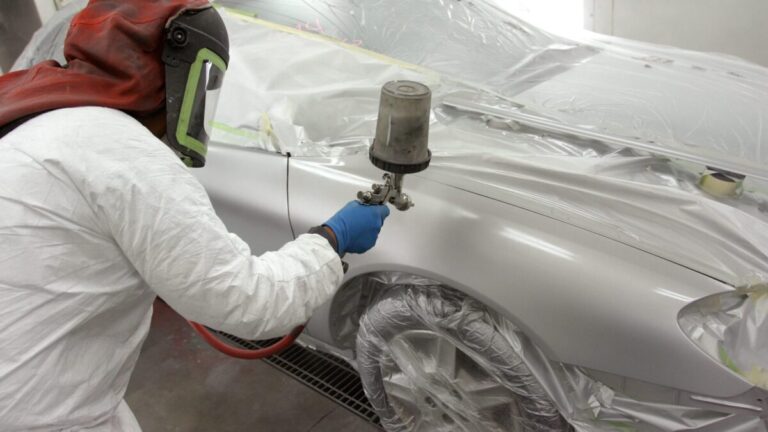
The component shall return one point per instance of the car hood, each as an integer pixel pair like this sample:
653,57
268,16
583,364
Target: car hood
621,140
708,111
639,200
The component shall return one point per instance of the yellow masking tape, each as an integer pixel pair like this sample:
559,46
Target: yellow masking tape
266,125
719,186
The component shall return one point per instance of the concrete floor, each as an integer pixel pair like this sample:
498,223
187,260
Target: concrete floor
180,384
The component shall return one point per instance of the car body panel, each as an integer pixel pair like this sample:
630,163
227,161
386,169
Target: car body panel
585,299
248,189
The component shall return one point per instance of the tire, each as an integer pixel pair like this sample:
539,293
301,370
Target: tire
431,358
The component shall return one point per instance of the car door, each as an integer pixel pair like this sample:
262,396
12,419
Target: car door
248,189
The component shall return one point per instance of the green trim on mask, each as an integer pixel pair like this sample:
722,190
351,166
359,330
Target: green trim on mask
189,98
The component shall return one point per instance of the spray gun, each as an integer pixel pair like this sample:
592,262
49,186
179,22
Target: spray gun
400,145
399,148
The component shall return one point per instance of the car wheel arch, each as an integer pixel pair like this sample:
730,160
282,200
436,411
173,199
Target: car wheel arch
358,293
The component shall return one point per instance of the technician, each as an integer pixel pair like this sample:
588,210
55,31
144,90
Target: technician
98,216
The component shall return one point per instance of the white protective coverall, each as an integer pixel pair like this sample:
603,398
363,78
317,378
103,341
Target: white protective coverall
98,217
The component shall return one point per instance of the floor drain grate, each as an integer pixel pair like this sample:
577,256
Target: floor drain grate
325,373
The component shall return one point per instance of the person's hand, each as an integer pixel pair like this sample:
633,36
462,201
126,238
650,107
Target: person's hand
357,226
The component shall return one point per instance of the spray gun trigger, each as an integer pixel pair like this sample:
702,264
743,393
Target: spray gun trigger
390,192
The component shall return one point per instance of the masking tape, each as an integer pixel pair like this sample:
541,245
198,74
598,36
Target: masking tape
721,184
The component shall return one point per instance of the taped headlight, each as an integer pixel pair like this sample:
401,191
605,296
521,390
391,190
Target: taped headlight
733,328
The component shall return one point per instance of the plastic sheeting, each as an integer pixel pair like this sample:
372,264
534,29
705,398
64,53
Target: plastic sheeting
732,328
294,89
48,41
298,93
473,41
497,379
669,100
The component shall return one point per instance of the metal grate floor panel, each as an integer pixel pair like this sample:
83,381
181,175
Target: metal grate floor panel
328,375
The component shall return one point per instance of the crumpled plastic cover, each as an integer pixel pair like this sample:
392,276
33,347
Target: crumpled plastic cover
309,85
732,327
48,41
275,97
398,368
670,100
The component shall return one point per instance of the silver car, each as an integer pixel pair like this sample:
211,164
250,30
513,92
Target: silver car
588,249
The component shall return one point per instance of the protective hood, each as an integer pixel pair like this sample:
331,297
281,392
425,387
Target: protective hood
114,59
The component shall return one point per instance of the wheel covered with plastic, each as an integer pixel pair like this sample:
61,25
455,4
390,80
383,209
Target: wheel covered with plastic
433,359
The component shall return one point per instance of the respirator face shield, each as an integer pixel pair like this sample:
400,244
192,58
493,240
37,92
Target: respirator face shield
196,56
206,75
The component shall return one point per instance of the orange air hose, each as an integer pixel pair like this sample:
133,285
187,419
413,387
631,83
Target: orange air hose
247,354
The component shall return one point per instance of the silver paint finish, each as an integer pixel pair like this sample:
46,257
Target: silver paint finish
585,299
248,189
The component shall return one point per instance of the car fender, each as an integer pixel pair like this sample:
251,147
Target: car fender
585,299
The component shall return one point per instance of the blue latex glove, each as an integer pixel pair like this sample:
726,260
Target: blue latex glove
357,226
